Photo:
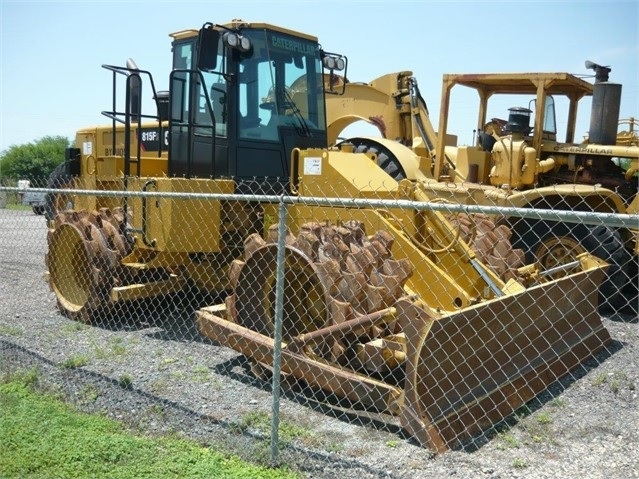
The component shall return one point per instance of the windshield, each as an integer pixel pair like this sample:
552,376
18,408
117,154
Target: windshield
280,85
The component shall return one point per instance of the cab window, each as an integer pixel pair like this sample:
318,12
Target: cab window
280,85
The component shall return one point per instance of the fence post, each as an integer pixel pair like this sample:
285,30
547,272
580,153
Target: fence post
277,334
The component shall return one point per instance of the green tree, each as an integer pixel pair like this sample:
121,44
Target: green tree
33,161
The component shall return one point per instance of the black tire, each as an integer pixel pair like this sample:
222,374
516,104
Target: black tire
59,178
38,210
536,236
385,159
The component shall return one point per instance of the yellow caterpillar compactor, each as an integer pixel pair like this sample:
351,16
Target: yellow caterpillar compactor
520,162
391,309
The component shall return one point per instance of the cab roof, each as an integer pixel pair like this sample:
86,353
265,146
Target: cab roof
523,83
238,24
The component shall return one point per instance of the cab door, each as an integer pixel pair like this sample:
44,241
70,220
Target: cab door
198,117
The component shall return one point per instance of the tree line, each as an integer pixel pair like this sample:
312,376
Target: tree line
33,161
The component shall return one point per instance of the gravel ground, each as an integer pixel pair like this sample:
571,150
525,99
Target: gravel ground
153,371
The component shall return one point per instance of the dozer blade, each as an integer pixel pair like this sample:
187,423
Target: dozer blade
462,371
475,367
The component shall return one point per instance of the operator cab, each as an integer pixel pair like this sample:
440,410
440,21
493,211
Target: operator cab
242,96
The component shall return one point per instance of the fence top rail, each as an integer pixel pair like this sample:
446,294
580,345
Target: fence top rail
630,221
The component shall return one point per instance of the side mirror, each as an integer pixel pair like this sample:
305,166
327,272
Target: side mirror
207,44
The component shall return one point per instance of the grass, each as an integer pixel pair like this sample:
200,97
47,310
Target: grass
89,394
125,381
519,463
600,379
536,426
76,361
617,381
507,440
74,327
10,330
289,431
544,418
115,347
17,206
159,386
43,437
261,422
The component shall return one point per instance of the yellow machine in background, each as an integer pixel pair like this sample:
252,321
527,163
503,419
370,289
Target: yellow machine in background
519,162
388,309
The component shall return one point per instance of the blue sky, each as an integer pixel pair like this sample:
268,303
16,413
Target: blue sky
51,53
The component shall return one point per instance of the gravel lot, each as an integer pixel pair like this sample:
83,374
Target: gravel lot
153,371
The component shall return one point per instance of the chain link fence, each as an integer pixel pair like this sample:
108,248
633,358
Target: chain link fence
308,322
